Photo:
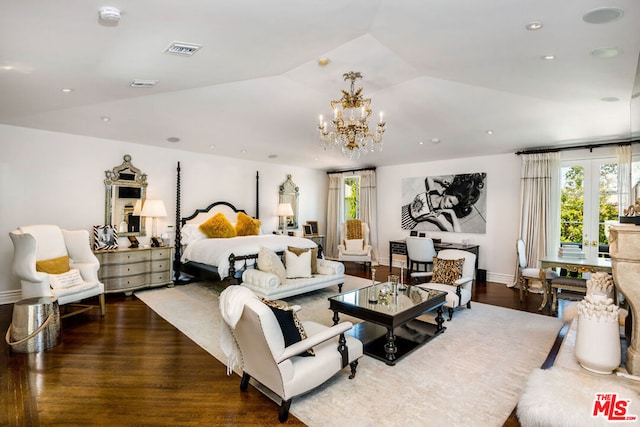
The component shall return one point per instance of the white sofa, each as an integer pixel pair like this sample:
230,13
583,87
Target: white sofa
267,285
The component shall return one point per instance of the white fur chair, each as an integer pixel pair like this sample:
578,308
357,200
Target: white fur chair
36,243
354,250
251,329
459,293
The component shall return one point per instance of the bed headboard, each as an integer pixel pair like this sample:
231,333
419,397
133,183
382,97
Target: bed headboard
201,215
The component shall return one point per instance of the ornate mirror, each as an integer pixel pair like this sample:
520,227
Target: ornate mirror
125,191
289,194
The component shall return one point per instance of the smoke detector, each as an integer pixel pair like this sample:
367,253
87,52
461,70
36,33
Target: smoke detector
108,13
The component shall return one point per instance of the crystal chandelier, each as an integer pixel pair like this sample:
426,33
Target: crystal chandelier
350,131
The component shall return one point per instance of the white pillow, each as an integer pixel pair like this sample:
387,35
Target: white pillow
354,244
270,262
66,280
298,265
190,233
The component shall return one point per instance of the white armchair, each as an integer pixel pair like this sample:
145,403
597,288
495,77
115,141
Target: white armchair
358,249
459,291
37,246
253,335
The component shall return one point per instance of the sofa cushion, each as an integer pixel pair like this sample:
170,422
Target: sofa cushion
446,271
291,326
269,261
314,256
298,265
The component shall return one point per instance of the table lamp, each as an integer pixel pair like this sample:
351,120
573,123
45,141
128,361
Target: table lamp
154,209
284,210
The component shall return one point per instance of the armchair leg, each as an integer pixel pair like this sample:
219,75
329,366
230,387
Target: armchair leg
469,304
103,308
353,365
450,310
284,410
244,382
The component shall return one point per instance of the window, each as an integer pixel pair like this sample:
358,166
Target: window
351,192
588,204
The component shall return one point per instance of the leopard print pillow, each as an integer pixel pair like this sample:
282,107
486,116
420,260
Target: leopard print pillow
446,271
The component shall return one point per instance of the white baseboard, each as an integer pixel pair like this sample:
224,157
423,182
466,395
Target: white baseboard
9,297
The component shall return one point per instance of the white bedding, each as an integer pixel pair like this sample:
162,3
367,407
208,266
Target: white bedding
216,252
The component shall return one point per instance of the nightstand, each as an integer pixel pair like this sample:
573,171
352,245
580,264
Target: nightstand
127,270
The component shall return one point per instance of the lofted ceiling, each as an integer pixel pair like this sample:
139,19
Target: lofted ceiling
455,78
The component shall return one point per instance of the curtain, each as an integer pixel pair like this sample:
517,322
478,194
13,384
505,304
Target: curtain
625,198
333,216
368,209
539,205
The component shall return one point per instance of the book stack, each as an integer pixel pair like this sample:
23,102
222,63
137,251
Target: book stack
571,251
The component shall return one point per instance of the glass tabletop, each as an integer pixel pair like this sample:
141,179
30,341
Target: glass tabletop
373,299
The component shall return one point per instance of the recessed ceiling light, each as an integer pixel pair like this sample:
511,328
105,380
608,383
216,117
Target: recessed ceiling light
173,139
603,15
420,143
67,90
435,140
532,26
610,99
105,118
489,132
606,52
243,151
7,67
549,57
316,159
212,146
323,61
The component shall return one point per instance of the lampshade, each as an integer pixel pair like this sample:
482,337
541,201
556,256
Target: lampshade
153,208
285,209
137,208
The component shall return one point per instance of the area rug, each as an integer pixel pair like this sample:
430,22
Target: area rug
472,375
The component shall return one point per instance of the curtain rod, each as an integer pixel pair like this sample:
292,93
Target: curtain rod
372,168
590,147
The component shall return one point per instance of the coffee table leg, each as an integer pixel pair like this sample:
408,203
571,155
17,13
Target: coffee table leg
336,319
439,319
390,348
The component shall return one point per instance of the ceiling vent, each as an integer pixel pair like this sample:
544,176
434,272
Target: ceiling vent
144,83
181,48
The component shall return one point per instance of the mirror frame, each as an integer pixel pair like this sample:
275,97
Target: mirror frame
113,181
289,193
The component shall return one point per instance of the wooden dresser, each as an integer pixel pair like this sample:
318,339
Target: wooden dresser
126,270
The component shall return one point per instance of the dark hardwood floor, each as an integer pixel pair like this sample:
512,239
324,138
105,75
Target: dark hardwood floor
132,368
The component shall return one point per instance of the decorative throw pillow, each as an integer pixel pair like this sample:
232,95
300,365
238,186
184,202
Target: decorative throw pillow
298,265
446,271
65,280
218,226
353,228
53,266
291,326
314,256
270,262
354,244
246,225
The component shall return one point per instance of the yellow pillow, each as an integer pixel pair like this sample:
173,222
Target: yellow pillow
218,226
247,226
53,266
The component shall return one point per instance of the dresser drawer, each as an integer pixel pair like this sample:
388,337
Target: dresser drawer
124,257
118,270
160,278
159,254
123,283
161,265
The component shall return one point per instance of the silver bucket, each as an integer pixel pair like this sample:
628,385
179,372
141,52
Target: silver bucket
35,326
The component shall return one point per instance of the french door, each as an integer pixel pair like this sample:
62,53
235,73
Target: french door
588,204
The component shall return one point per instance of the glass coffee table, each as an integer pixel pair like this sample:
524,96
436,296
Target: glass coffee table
390,329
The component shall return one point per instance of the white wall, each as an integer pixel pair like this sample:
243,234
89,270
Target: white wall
55,178
497,246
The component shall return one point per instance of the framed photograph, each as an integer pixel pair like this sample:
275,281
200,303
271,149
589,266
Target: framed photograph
421,234
134,242
413,233
105,237
314,227
307,230
156,242
291,233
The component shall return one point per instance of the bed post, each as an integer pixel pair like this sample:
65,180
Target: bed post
177,265
257,194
